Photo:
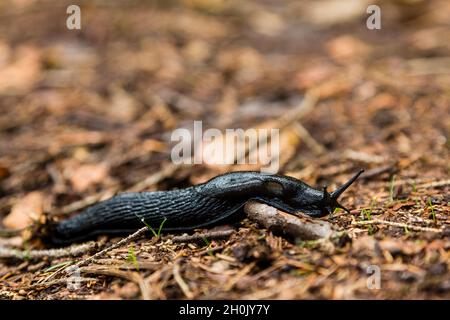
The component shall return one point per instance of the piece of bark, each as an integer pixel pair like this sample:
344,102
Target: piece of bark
299,228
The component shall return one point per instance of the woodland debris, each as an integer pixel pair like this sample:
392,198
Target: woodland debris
397,224
25,211
435,184
300,228
60,113
128,275
72,251
378,171
312,143
201,236
122,242
180,281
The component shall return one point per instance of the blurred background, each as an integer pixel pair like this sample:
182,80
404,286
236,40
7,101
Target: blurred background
93,109
88,113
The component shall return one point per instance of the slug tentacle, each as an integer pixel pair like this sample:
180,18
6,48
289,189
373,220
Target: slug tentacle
217,201
336,193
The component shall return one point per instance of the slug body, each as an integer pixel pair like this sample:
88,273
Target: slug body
216,201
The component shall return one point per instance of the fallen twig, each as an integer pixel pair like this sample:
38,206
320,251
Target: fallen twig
62,281
183,285
232,282
363,156
128,275
301,228
157,281
378,170
202,236
72,251
124,241
396,224
306,105
120,264
210,250
434,184
312,143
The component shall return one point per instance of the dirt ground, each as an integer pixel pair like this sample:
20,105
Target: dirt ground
88,113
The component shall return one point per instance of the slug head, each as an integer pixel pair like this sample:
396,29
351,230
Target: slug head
322,203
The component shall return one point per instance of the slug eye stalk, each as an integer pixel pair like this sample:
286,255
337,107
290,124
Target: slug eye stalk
332,198
336,193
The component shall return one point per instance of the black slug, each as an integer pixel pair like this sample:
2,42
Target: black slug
216,201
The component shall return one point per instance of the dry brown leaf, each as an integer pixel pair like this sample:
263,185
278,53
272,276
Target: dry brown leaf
123,106
399,247
400,205
267,23
4,172
347,47
314,74
331,12
25,211
87,175
22,73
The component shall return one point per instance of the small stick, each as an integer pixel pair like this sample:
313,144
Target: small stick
48,284
306,105
363,157
312,143
124,241
183,285
377,171
396,224
244,271
201,236
434,184
127,275
297,227
72,251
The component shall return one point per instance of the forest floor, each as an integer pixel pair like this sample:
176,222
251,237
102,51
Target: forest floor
85,114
